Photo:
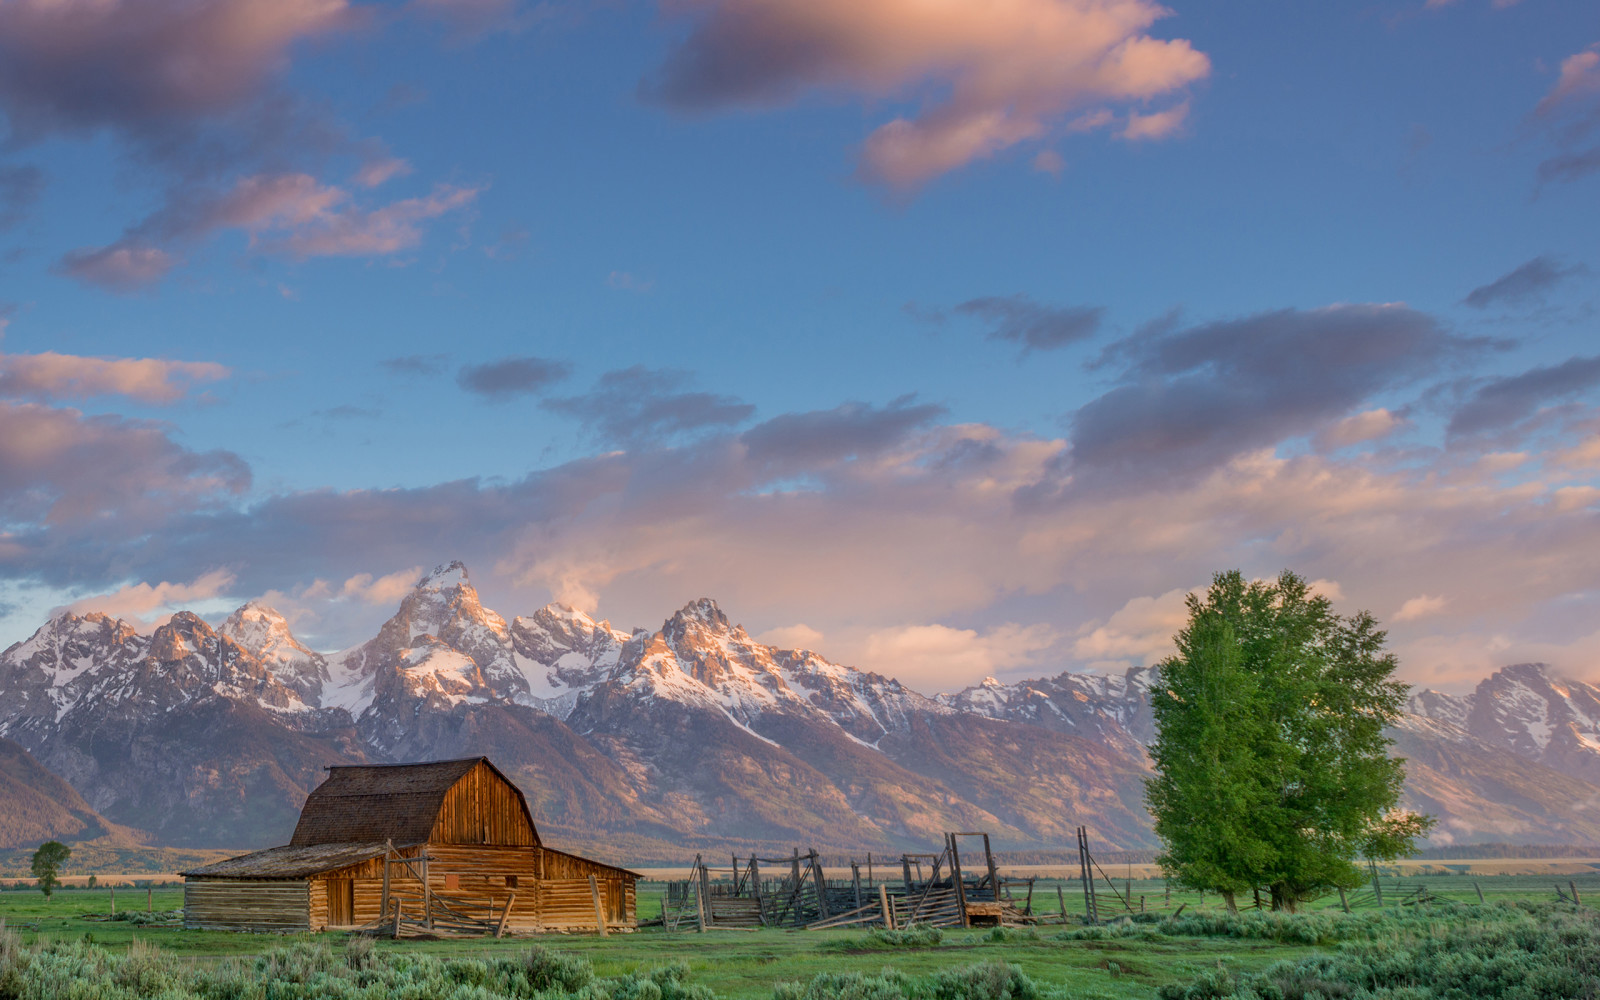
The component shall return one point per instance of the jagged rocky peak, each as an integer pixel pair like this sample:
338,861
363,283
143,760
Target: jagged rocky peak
266,635
557,631
185,634
443,604
1440,707
702,611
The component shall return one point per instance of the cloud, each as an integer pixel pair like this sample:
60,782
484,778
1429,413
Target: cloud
189,88
1420,606
1570,166
1156,125
826,436
415,364
1359,428
510,377
1499,403
381,591
929,530
62,469
1570,115
118,267
356,232
1190,399
145,67
135,602
292,214
638,405
1033,325
1003,72
1141,630
1526,283
797,636
1579,78
52,376
1048,161
939,657
20,187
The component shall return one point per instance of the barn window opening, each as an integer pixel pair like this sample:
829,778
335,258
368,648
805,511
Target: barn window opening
452,881
511,881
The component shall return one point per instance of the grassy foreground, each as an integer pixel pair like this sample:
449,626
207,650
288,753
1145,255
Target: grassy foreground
1522,950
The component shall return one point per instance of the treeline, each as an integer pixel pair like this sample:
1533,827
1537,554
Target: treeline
1508,851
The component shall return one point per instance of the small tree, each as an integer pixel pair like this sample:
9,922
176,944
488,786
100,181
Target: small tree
47,862
1272,766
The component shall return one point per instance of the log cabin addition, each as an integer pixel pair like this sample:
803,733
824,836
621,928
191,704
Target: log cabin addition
445,846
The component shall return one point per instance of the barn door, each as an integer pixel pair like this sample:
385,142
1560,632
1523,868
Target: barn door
341,902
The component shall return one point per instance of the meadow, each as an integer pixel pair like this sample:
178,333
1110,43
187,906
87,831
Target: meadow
1520,944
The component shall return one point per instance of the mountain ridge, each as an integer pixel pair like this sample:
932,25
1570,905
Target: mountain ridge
692,734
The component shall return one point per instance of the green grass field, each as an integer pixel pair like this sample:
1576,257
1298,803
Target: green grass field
742,964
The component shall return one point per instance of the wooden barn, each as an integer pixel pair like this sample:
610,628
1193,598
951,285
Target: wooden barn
447,846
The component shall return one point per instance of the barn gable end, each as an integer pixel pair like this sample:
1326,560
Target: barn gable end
484,807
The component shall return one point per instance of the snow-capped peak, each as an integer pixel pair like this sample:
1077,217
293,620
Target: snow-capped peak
446,577
705,611
265,633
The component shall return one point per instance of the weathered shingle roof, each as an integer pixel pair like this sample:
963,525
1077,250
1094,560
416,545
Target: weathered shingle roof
397,802
290,862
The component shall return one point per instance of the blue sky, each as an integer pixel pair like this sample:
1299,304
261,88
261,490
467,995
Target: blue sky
950,338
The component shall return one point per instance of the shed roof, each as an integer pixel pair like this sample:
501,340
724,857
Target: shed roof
398,802
291,862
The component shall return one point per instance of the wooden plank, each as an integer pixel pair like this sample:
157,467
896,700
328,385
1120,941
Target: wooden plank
599,913
885,907
955,872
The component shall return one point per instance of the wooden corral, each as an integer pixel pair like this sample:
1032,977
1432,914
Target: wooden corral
442,847
796,892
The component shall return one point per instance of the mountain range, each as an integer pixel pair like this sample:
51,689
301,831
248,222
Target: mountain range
694,736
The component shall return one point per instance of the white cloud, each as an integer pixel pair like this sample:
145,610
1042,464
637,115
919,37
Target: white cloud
938,657
1421,606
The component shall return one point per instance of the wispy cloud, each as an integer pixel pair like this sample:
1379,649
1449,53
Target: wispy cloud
53,376
510,377
1527,283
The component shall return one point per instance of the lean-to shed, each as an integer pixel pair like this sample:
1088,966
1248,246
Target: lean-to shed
447,844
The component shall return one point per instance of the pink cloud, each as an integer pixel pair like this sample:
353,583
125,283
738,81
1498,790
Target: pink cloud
1359,428
1157,125
1006,71
134,602
50,375
1580,76
356,232
61,468
288,213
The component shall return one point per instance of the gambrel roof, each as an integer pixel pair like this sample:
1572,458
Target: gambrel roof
399,803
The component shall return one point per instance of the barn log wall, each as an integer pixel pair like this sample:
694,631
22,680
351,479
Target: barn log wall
484,808
560,903
253,905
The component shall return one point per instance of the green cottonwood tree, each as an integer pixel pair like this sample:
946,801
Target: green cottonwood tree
47,863
1272,767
